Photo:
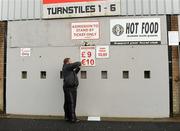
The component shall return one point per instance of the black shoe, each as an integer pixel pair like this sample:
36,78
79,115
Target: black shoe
75,121
66,119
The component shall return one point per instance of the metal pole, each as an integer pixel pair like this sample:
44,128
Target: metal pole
157,6
1,9
41,9
172,6
179,60
142,8
7,9
127,7
149,7
165,7
21,9
27,10
179,74
14,15
134,7
34,8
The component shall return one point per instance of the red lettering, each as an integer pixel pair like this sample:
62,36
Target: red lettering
89,54
83,55
92,62
83,62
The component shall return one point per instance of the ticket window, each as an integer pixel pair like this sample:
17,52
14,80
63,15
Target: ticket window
125,75
104,75
24,74
83,74
43,74
61,75
147,74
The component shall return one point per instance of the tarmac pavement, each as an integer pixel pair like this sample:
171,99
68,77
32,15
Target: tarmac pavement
24,124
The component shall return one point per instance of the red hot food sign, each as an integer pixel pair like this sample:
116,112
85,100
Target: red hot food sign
80,8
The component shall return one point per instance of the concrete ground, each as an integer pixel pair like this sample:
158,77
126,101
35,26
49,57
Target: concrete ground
57,124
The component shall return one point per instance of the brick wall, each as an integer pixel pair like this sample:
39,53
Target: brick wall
176,88
3,29
173,26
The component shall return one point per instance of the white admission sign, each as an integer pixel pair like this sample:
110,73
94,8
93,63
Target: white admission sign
102,51
87,55
85,30
25,51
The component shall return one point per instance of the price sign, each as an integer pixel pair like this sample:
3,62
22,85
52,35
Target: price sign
25,51
87,55
102,51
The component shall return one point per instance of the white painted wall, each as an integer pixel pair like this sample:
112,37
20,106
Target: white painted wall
113,97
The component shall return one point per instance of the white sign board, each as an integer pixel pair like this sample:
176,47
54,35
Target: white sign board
94,118
87,55
102,51
173,37
85,30
25,51
135,31
80,8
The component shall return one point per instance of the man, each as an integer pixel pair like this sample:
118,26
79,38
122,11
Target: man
70,71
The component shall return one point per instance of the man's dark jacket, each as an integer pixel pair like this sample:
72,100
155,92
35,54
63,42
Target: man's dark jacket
70,74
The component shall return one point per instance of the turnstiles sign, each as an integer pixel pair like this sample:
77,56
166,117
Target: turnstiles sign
88,55
79,8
